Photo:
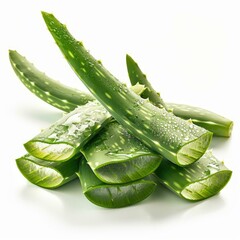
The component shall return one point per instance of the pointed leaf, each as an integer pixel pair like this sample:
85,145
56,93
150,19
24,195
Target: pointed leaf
180,142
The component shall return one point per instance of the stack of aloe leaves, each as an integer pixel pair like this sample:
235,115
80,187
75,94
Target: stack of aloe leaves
120,142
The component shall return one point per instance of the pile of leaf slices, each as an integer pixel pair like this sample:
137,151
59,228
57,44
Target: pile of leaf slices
120,142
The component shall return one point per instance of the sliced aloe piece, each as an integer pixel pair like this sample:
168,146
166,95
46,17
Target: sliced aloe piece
211,121
48,174
113,195
199,181
176,139
115,156
64,138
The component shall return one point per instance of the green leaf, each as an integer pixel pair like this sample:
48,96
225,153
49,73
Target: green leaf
199,181
211,121
48,174
115,156
63,139
174,138
44,87
113,195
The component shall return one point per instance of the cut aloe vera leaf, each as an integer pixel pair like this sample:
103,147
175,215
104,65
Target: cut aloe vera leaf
201,180
115,156
137,76
44,87
211,121
176,139
113,195
67,99
63,139
48,174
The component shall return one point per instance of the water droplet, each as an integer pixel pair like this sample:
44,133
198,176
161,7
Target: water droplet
186,138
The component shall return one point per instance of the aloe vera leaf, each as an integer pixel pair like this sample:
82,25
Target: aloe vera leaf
67,98
115,156
47,174
113,195
176,139
219,125
44,87
137,76
63,139
213,122
199,181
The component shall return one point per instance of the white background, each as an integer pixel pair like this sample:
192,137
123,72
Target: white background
190,51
